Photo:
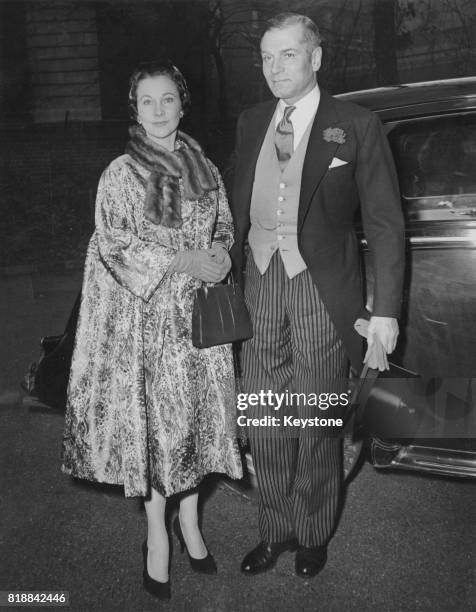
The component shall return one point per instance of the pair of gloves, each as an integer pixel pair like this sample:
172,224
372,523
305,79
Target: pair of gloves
209,265
381,334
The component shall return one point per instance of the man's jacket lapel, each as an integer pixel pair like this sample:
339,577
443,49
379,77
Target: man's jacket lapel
319,153
256,128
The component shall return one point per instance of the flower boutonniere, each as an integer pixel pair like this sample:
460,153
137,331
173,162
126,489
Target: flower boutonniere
334,134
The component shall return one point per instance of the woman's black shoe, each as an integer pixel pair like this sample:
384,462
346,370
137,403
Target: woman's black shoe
161,590
206,565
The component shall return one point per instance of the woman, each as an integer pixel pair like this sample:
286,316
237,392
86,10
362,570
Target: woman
145,408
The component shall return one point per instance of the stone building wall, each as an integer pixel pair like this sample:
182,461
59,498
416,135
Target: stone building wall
48,180
62,49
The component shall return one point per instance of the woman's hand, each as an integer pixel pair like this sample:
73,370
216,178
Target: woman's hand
221,256
205,264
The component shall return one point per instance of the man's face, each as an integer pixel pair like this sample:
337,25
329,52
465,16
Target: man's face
289,66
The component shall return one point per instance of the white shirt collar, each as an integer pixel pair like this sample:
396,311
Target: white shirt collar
307,105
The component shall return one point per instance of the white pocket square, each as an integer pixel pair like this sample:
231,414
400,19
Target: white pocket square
337,162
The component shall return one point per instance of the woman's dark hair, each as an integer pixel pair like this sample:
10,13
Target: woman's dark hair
157,68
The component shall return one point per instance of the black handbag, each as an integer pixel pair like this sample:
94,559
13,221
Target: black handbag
220,316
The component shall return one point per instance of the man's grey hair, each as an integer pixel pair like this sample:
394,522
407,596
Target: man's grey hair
312,36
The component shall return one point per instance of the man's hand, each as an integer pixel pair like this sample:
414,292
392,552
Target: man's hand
382,334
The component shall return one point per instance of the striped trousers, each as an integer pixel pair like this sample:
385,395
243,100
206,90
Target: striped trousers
295,348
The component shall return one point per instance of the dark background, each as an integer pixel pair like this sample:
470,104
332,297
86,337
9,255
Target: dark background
64,69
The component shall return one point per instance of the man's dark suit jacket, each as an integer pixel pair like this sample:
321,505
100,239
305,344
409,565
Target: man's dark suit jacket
329,200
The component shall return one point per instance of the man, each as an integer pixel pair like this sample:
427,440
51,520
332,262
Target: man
301,168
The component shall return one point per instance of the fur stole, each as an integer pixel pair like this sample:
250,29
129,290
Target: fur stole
162,200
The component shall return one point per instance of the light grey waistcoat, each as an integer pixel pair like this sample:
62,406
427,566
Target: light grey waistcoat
274,205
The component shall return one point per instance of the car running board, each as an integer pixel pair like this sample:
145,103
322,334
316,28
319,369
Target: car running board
435,460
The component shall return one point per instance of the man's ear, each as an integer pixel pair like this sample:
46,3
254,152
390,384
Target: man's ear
316,58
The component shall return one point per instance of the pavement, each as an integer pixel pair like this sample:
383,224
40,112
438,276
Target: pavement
404,542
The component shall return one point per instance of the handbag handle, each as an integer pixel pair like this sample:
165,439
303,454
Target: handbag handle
230,281
230,277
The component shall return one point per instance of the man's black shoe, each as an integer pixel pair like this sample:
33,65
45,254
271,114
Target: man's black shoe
310,560
265,555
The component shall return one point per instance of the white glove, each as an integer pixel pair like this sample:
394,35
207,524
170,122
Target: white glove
199,264
381,334
219,253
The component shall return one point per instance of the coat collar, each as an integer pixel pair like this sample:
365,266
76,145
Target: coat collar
319,153
256,127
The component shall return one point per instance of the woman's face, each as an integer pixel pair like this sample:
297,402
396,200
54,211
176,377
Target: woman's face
159,108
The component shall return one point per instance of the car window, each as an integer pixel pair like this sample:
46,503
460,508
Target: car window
436,164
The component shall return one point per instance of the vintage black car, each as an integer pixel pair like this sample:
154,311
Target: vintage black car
423,416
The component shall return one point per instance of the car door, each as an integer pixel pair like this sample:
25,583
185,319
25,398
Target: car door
435,158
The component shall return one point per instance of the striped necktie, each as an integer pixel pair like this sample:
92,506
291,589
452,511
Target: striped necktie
284,137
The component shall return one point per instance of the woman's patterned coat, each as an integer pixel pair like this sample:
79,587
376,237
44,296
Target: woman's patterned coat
146,408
